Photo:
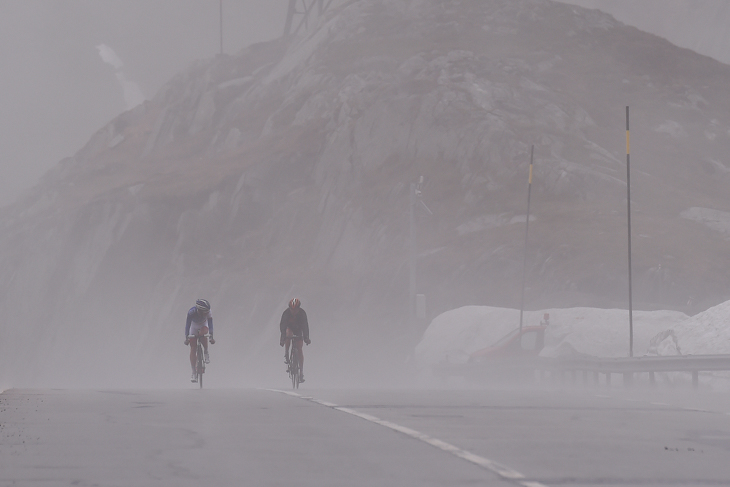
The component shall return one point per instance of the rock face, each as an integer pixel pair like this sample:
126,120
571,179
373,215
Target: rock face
700,25
285,170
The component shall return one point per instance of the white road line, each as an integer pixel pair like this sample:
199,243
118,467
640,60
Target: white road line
494,467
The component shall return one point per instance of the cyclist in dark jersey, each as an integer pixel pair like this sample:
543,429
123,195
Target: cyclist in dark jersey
294,323
199,322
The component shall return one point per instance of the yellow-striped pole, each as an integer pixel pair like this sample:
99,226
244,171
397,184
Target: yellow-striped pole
527,226
628,207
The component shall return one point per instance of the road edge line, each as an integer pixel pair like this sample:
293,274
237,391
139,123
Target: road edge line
500,470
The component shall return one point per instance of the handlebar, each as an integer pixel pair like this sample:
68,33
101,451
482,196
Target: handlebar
294,337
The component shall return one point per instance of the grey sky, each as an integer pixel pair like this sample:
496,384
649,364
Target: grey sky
55,90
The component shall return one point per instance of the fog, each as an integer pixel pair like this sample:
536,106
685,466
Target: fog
55,89
700,25
284,170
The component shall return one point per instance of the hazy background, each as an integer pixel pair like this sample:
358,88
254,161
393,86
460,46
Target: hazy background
55,90
128,219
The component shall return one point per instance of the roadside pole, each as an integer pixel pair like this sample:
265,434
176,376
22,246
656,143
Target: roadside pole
527,227
412,262
413,298
628,206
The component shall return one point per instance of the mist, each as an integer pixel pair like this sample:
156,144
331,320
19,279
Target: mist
283,168
56,92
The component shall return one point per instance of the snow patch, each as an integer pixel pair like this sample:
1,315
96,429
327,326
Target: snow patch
672,128
455,334
487,222
715,219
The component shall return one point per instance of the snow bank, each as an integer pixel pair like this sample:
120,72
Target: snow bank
705,333
455,334
604,332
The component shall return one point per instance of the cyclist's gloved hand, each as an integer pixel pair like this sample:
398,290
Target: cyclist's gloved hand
187,341
307,341
212,341
281,342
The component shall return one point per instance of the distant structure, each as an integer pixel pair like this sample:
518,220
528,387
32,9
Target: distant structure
299,13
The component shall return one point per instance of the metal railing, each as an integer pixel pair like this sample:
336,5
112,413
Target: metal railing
559,368
629,366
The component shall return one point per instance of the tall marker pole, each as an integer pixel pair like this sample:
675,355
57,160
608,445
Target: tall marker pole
527,227
628,200
412,262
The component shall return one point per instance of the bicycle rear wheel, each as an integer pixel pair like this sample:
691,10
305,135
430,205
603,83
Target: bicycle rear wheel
294,369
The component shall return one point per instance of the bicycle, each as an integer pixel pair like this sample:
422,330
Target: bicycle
294,362
199,358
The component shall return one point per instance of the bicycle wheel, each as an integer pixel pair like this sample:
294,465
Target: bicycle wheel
296,370
293,369
200,365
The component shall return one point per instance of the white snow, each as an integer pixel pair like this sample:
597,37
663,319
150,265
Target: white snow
705,333
455,334
715,219
132,93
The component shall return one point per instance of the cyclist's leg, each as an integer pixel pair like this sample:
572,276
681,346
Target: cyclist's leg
300,352
193,354
204,340
287,342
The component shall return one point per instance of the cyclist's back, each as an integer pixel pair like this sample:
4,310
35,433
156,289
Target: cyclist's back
294,324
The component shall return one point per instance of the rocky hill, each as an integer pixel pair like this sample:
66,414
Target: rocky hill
285,170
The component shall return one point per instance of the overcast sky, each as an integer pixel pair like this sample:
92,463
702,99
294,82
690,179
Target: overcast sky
55,89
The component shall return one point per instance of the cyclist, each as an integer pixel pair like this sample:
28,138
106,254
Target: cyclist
294,322
199,322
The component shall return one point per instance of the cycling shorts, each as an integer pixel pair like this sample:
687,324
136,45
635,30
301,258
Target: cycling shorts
196,327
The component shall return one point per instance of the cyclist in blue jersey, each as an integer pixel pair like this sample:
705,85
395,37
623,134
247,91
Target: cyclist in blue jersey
198,323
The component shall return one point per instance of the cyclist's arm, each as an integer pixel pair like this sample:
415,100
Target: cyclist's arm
305,325
187,325
210,325
282,324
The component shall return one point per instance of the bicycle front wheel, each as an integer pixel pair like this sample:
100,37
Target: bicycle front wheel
200,366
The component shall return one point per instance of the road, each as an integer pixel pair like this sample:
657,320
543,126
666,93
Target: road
328,437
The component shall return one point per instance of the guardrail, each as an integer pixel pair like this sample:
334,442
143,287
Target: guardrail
559,367
629,366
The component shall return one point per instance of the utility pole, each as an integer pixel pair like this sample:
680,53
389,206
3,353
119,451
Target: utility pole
414,200
290,11
307,11
527,227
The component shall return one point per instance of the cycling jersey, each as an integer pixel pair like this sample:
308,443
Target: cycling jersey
297,323
198,319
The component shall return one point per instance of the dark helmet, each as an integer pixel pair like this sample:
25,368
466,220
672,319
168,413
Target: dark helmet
202,305
294,304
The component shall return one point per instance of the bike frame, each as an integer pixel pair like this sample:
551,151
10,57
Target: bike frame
294,361
199,362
